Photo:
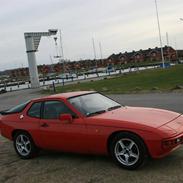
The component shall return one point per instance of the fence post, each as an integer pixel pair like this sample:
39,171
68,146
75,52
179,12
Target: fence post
54,88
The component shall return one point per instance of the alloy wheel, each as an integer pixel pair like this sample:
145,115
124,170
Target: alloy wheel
126,152
23,145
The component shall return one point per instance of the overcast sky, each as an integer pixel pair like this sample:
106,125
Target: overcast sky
119,25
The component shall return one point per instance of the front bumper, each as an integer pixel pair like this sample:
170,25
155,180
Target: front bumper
163,148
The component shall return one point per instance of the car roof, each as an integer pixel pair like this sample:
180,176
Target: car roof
66,95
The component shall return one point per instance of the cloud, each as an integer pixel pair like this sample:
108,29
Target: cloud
118,25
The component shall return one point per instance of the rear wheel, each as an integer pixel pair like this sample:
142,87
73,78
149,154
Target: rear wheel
128,150
24,145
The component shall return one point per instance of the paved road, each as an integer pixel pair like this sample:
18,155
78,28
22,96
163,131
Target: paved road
171,101
11,99
66,168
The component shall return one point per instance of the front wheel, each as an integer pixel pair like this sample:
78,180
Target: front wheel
128,150
24,145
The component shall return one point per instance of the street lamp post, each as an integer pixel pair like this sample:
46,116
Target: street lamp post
62,50
95,56
159,29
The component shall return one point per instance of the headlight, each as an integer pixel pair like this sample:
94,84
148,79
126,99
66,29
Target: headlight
172,143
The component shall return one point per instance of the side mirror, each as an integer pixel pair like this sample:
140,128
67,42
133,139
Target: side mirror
66,118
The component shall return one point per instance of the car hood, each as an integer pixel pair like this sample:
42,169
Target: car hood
176,125
145,116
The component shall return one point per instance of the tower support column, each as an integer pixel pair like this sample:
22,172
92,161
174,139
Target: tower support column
33,71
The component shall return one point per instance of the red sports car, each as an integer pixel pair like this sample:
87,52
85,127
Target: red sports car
91,123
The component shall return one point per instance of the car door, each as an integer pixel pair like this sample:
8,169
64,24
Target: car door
69,137
31,118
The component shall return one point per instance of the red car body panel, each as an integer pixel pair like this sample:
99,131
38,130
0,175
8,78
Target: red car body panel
90,135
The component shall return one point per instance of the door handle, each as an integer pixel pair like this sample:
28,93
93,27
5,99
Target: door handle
45,125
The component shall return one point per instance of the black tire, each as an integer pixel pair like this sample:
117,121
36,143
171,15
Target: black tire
138,150
31,149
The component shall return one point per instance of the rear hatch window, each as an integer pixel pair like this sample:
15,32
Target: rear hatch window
17,109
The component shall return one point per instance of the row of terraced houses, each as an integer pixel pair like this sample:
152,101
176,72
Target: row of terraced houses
148,55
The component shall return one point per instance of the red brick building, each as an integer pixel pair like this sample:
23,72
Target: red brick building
148,55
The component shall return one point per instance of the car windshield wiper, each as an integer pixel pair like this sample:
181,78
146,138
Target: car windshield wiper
114,107
97,112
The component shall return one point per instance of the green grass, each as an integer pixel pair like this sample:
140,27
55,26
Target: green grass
144,81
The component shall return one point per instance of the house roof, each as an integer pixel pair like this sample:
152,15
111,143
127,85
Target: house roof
145,52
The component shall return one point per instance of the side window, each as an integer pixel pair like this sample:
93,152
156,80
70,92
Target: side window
53,109
35,110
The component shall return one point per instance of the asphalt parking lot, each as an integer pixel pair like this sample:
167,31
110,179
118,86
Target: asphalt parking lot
62,167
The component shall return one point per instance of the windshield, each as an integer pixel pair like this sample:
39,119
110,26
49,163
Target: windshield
92,104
